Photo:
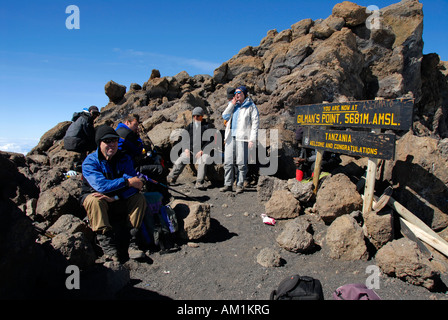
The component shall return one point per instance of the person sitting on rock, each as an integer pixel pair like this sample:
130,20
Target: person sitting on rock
110,195
195,150
146,160
80,135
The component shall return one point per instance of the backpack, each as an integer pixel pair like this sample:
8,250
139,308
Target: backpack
160,224
355,292
298,287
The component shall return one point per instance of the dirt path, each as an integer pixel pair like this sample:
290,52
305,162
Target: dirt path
224,265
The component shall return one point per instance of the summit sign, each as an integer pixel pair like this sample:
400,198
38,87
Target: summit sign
364,144
375,114
327,128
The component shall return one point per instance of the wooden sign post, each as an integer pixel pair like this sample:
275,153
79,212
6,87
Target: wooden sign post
369,188
326,131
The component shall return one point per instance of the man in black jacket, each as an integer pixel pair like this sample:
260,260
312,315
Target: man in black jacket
80,136
194,151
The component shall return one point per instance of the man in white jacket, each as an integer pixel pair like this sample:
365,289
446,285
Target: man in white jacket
242,119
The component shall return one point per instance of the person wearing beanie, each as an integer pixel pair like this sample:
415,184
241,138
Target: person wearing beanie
80,135
111,196
194,152
242,120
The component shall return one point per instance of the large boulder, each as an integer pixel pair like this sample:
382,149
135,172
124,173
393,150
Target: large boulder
378,227
114,91
282,205
194,216
296,236
303,192
337,196
70,224
345,240
50,137
75,248
403,259
266,185
61,199
352,13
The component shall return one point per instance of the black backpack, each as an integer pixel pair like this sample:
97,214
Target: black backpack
298,287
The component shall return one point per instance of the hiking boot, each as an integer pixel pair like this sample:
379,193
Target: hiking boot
108,245
134,251
200,185
226,188
171,180
239,189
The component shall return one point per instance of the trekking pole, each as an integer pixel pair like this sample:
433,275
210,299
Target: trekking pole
141,175
43,232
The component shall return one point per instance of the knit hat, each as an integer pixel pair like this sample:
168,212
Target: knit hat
104,132
244,89
198,111
94,109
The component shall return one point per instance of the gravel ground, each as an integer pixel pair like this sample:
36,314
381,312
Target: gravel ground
223,266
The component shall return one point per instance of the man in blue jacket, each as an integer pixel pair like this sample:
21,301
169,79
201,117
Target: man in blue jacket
148,163
110,188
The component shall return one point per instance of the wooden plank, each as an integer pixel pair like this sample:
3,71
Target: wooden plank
427,238
410,217
359,143
380,114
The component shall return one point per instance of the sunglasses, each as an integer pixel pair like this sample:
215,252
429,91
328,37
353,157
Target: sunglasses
237,92
111,140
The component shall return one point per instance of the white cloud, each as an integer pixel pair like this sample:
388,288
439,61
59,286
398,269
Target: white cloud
17,145
199,65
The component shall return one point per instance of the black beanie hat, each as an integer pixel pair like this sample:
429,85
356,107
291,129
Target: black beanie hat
104,132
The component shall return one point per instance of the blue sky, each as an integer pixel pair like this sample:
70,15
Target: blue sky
47,71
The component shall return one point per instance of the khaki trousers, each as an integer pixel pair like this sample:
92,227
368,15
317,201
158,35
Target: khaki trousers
99,211
183,160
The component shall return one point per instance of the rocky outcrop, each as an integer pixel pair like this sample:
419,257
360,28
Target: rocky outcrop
420,176
350,55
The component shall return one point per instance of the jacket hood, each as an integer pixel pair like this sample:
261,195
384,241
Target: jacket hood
84,113
122,125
